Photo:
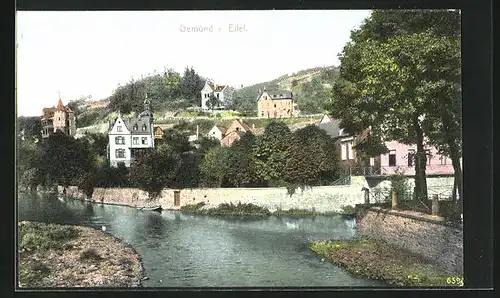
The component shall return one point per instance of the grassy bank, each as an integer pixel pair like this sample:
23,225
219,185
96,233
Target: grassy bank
70,256
249,209
376,260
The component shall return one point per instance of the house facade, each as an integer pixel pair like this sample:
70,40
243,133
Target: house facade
128,138
401,158
57,118
275,104
234,132
216,132
223,93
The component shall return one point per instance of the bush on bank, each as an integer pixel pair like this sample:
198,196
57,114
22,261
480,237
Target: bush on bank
377,260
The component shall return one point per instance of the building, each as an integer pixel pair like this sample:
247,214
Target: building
276,104
128,138
234,132
216,132
58,118
223,93
400,158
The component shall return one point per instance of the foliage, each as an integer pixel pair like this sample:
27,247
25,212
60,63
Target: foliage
386,70
271,151
311,158
242,170
214,168
312,96
401,186
40,236
64,158
227,209
191,85
213,102
154,170
30,127
393,265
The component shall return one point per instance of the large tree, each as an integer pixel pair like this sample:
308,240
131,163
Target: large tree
384,70
155,170
271,152
242,170
312,159
191,85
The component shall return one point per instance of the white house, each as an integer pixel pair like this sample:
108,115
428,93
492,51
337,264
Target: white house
216,132
129,137
223,93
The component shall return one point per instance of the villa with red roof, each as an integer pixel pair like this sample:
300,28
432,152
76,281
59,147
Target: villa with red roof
58,118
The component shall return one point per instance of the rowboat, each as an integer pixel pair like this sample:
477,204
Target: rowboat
151,208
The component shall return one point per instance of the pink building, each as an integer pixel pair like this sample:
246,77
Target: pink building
400,158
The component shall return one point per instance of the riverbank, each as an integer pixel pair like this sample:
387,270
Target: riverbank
377,260
249,209
53,255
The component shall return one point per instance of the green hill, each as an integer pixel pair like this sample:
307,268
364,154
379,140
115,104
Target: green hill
171,92
311,88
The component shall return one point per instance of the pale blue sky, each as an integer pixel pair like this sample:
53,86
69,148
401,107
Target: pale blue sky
89,53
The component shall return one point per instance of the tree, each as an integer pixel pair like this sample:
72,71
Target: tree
155,170
191,85
64,159
212,102
242,171
312,159
271,152
214,168
30,127
383,77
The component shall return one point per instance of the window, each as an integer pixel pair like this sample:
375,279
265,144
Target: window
443,159
262,114
237,129
411,157
372,161
144,127
119,140
217,95
119,128
350,152
144,140
392,158
343,150
428,155
136,140
274,105
136,127
120,153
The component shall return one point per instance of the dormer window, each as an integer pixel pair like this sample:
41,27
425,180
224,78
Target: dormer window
136,127
144,127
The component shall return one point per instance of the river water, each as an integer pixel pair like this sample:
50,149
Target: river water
180,250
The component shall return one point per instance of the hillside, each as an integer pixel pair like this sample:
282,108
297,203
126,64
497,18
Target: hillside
311,88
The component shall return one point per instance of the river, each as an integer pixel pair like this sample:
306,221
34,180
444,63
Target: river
181,250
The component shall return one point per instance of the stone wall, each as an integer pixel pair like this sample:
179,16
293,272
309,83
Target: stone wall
426,235
320,198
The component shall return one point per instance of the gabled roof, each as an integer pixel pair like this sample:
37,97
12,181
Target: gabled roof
278,94
220,128
220,88
245,126
331,128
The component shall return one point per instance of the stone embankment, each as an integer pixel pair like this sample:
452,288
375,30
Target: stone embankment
73,256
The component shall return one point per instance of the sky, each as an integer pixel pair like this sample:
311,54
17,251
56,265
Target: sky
84,53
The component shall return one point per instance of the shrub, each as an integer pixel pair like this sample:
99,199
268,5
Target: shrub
34,236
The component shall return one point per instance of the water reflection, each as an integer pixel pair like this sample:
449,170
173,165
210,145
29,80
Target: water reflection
184,250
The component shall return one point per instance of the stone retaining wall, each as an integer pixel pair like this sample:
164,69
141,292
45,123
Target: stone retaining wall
320,199
427,235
